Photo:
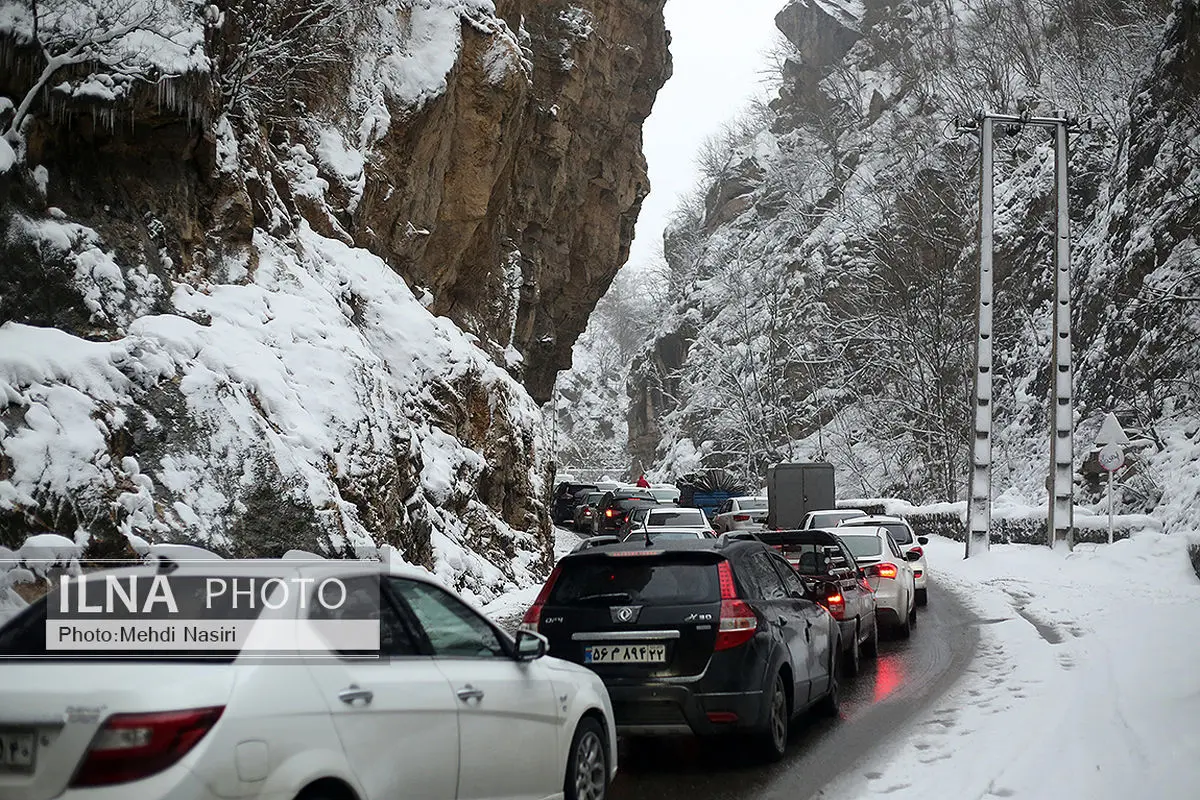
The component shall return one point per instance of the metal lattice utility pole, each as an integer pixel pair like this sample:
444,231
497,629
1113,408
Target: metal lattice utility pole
1061,520
979,501
1061,512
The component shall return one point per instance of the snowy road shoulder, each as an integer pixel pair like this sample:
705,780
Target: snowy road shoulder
507,610
1085,684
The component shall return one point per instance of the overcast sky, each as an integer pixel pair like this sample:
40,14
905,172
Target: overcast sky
719,50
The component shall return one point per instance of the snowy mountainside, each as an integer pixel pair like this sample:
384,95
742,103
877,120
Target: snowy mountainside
827,301
222,320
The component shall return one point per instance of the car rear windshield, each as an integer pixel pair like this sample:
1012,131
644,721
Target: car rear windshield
899,532
863,546
752,504
834,517
684,517
635,580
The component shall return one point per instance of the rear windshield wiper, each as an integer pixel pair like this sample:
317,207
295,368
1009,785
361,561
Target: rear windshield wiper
624,597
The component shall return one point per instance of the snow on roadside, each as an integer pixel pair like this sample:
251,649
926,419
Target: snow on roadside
507,609
1084,685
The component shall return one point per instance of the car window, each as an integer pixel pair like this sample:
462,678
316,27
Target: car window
365,601
848,557
679,517
791,581
770,585
751,504
863,545
453,629
899,532
629,581
894,547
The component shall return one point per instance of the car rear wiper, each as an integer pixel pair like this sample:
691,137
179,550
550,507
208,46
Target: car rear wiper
620,596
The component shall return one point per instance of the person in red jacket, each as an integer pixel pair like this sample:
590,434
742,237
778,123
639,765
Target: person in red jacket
643,483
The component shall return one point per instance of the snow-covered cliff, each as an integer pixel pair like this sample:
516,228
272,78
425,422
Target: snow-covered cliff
278,275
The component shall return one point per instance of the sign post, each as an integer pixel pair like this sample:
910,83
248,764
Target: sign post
1111,456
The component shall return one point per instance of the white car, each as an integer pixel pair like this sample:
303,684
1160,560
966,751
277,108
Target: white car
656,517
828,518
456,709
740,513
665,493
663,533
888,572
910,544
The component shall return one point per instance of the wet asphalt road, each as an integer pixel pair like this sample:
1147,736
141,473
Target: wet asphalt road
907,679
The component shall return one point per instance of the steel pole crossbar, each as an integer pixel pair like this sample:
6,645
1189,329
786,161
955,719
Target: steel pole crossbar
1060,485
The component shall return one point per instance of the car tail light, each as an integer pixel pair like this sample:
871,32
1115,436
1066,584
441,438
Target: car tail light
533,617
920,553
722,716
608,512
741,517
738,622
134,746
836,605
917,573
886,570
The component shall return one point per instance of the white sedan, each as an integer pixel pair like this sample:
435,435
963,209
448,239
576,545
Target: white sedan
740,513
910,544
449,707
888,572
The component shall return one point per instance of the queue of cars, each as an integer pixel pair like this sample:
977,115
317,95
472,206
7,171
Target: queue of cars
728,627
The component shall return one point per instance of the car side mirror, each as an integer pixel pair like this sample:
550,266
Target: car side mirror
922,540
913,555
531,646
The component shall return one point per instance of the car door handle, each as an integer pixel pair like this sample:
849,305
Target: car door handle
354,693
783,621
469,693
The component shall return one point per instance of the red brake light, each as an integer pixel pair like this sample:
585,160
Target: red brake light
918,551
741,517
836,605
533,617
608,512
886,570
725,576
134,746
738,622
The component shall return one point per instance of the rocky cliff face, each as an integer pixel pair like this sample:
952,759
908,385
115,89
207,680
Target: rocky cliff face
827,305
512,196
264,299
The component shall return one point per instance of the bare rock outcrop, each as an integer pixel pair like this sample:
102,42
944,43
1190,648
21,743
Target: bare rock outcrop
513,195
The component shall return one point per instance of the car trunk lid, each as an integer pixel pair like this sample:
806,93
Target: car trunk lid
635,615
51,711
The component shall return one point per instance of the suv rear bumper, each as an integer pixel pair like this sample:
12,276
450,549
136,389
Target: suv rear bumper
672,710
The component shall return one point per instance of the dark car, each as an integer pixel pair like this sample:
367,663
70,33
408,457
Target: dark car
614,508
585,509
819,556
701,636
565,500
